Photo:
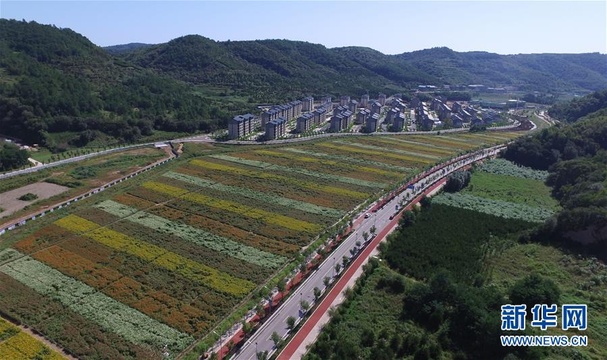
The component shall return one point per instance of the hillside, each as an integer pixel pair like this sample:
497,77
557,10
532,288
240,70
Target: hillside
59,89
264,69
300,67
528,72
575,156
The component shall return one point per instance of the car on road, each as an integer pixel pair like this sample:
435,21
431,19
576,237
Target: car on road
367,215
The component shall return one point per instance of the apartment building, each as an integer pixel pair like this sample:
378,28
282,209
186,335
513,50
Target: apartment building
241,125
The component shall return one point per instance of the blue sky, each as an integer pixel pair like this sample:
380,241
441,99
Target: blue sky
504,27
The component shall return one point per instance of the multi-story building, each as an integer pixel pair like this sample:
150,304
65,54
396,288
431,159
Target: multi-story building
375,106
320,115
267,116
382,99
352,106
296,107
391,115
372,123
398,123
364,101
327,103
340,109
305,122
340,121
362,116
241,125
307,104
276,128
344,100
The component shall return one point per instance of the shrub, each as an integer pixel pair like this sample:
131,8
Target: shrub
28,197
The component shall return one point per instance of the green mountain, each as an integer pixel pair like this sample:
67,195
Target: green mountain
58,89
54,81
293,68
264,69
541,72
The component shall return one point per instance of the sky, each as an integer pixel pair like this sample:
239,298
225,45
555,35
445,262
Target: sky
392,27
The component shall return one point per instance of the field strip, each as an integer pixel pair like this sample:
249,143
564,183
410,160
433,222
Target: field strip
92,304
264,165
256,195
194,235
332,163
190,269
349,159
234,207
500,208
452,139
270,176
379,148
382,154
24,345
430,147
150,301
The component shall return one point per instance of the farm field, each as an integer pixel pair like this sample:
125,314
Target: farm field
73,179
500,187
17,344
149,266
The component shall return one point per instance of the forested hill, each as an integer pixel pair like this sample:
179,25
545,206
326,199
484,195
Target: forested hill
526,71
579,107
294,67
58,89
576,158
54,81
270,69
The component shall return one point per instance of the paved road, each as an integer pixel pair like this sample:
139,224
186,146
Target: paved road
261,340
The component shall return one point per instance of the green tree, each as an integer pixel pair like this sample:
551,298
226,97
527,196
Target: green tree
291,322
305,306
276,339
317,292
534,289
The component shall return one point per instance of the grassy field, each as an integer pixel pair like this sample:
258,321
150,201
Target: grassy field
513,189
180,248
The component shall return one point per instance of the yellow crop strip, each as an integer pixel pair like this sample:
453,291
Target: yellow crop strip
20,346
188,268
387,154
270,176
293,156
269,217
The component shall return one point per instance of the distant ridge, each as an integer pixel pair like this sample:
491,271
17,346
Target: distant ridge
119,49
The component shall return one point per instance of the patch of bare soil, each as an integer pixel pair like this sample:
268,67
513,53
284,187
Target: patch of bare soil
9,201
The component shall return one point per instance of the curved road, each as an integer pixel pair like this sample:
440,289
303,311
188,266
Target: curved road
261,339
